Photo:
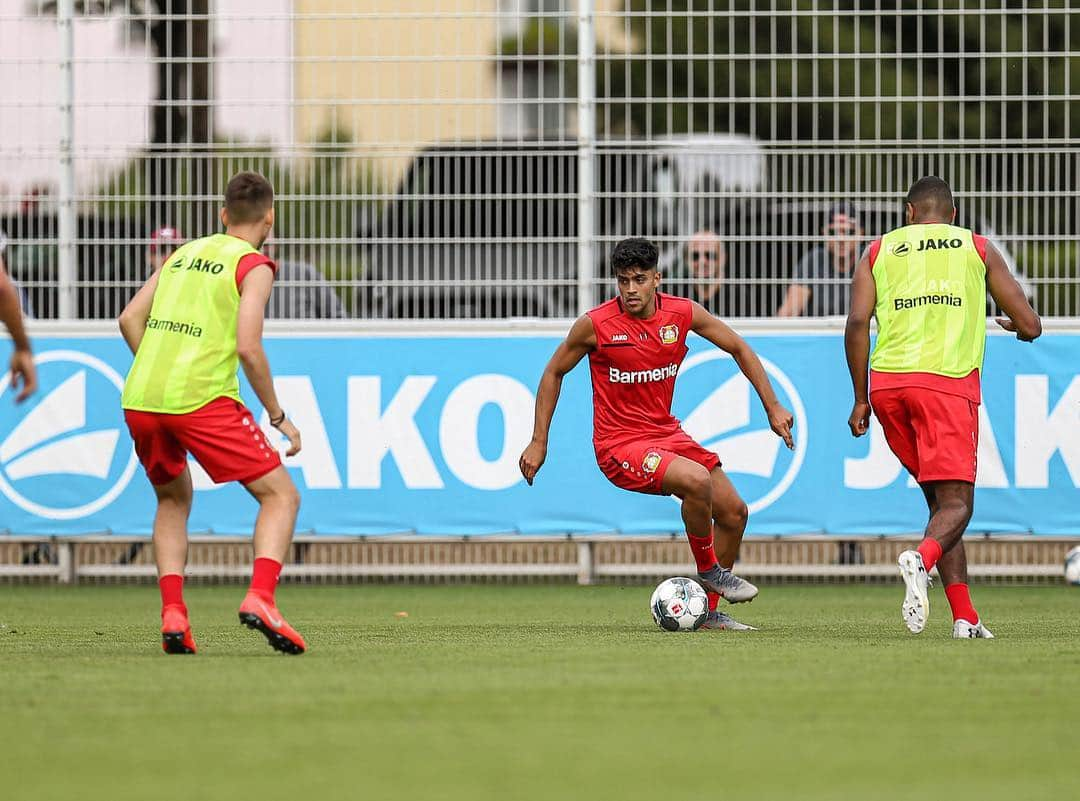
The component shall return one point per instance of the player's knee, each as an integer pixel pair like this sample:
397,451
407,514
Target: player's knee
698,486
958,507
732,517
291,497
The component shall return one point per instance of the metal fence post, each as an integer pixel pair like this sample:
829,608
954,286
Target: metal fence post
65,561
586,123
65,12
586,562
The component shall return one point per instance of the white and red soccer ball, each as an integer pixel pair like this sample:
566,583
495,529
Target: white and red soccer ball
679,604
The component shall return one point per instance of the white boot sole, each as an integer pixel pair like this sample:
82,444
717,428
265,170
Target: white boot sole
916,607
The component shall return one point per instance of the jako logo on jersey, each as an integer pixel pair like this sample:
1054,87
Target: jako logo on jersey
900,249
61,458
939,244
617,376
619,337
719,408
669,334
200,266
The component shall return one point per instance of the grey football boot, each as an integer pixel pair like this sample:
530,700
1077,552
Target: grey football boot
730,587
718,621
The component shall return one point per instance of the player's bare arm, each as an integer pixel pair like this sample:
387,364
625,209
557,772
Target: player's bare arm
721,335
133,318
23,371
254,293
795,301
857,343
578,343
1009,296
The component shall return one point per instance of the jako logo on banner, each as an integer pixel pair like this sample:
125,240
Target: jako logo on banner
71,430
719,408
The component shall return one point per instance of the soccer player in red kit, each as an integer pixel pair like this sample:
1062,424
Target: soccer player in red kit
926,284
191,326
635,343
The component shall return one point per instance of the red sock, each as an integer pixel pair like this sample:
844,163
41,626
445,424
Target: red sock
264,577
714,600
704,553
930,550
172,590
960,601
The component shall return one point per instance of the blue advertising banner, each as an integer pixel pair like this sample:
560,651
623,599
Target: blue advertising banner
423,434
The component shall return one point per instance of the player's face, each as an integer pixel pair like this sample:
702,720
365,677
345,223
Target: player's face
637,289
707,257
843,241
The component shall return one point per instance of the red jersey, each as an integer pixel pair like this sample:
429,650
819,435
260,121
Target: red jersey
633,369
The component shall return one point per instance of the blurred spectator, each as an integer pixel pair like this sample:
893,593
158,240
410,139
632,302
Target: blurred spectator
23,370
163,243
300,291
24,298
33,262
822,283
701,275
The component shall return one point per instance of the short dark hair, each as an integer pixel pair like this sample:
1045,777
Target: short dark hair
248,197
634,252
843,208
931,192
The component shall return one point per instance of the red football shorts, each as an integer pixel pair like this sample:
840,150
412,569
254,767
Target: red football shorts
222,435
640,465
934,435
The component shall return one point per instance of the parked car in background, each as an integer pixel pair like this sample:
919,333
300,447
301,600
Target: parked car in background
490,229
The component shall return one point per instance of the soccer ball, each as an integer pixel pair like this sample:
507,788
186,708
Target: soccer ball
679,604
1072,566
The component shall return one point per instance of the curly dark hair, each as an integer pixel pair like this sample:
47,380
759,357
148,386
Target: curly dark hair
634,252
931,192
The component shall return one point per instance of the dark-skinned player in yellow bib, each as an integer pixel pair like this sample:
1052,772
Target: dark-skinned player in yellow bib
926,284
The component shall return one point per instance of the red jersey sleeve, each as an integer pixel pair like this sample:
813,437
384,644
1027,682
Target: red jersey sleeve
980,245
875,248
249,263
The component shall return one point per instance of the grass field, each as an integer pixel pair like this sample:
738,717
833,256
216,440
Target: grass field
538,692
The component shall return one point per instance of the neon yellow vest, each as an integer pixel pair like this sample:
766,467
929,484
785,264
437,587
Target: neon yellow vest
187,356
931,302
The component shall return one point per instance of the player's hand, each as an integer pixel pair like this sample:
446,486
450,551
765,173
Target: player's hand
859,421
532,459
23,371
292,433
1010,326
781,421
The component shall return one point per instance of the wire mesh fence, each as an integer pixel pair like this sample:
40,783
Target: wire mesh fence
478,158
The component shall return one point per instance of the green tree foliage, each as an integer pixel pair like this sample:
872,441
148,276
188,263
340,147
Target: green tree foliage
783,70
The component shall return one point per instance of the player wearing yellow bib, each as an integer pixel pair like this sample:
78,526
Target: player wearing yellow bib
926,283
191,326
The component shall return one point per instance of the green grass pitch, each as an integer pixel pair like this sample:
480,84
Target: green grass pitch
538,692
